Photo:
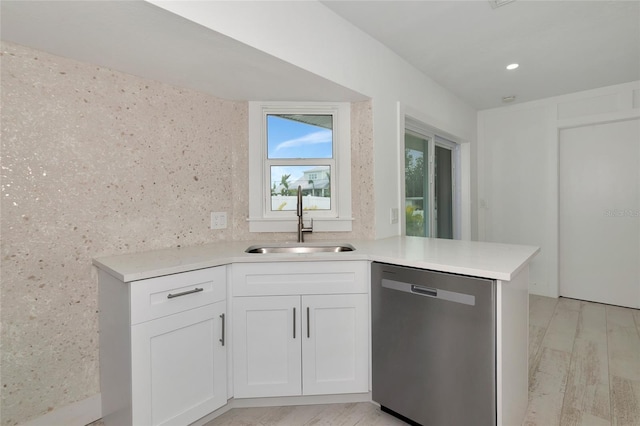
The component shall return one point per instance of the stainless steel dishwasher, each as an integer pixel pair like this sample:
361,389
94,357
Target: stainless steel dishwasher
433,346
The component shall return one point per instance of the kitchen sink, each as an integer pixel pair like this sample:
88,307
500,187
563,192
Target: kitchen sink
300,248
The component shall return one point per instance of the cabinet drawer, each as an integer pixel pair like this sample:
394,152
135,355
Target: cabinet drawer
161,296
282,278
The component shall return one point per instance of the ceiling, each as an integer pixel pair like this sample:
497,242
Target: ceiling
561,46
139,38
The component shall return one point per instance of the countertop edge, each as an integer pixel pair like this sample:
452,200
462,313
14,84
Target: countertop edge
145,265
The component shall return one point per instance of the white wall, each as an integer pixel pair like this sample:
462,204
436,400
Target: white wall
312,37
518,169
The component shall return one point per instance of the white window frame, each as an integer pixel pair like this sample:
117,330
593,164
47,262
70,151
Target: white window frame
261,218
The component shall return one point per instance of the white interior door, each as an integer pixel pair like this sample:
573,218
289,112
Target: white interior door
599,213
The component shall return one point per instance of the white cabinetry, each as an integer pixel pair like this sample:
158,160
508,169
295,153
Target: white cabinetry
266,354
300,328
335,344
163,356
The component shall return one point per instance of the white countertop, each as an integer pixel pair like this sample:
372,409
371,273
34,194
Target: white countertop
488,260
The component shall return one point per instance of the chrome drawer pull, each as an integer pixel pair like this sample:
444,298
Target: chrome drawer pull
184,293
294,323
222,339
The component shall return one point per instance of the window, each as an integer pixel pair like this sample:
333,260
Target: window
304,145
430,183
299,150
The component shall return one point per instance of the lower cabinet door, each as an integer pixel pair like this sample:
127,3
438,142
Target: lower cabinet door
179,366
335,344
266,346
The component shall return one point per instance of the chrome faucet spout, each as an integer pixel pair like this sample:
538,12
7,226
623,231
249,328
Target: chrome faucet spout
301,227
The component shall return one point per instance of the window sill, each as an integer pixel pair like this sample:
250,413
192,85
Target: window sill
291,225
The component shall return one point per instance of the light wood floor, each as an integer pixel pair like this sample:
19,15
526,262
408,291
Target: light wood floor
360,414
584,369
584,363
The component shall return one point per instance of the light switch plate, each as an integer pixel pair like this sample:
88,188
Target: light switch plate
218,220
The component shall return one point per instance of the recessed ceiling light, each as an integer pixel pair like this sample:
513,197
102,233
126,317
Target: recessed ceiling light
512,66
508,99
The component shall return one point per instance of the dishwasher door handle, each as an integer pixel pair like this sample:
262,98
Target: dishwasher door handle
435,293
425,291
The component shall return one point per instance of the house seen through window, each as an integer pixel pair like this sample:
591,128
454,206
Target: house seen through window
300,154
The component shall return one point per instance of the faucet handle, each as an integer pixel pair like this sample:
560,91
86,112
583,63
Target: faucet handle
309,229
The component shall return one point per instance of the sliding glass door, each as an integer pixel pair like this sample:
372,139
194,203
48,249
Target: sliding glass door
430,164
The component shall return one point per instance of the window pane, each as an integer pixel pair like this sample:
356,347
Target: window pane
299,136
443,193
416,195
315,182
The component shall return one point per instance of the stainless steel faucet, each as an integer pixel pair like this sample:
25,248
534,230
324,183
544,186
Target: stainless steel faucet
301,228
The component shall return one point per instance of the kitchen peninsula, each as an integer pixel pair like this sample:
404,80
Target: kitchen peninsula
152,304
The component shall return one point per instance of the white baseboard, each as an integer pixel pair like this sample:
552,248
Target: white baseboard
79,413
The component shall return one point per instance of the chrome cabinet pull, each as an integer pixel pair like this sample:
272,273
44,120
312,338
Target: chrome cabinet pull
308,326
222,338
184,293
294,323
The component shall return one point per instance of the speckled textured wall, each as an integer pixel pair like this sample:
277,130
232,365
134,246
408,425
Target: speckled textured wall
97,162
94,162
362,194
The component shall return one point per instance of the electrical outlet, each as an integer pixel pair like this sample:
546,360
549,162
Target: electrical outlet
218,220
394,216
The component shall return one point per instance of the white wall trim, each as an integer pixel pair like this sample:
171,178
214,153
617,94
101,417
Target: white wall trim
79,413
590,120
